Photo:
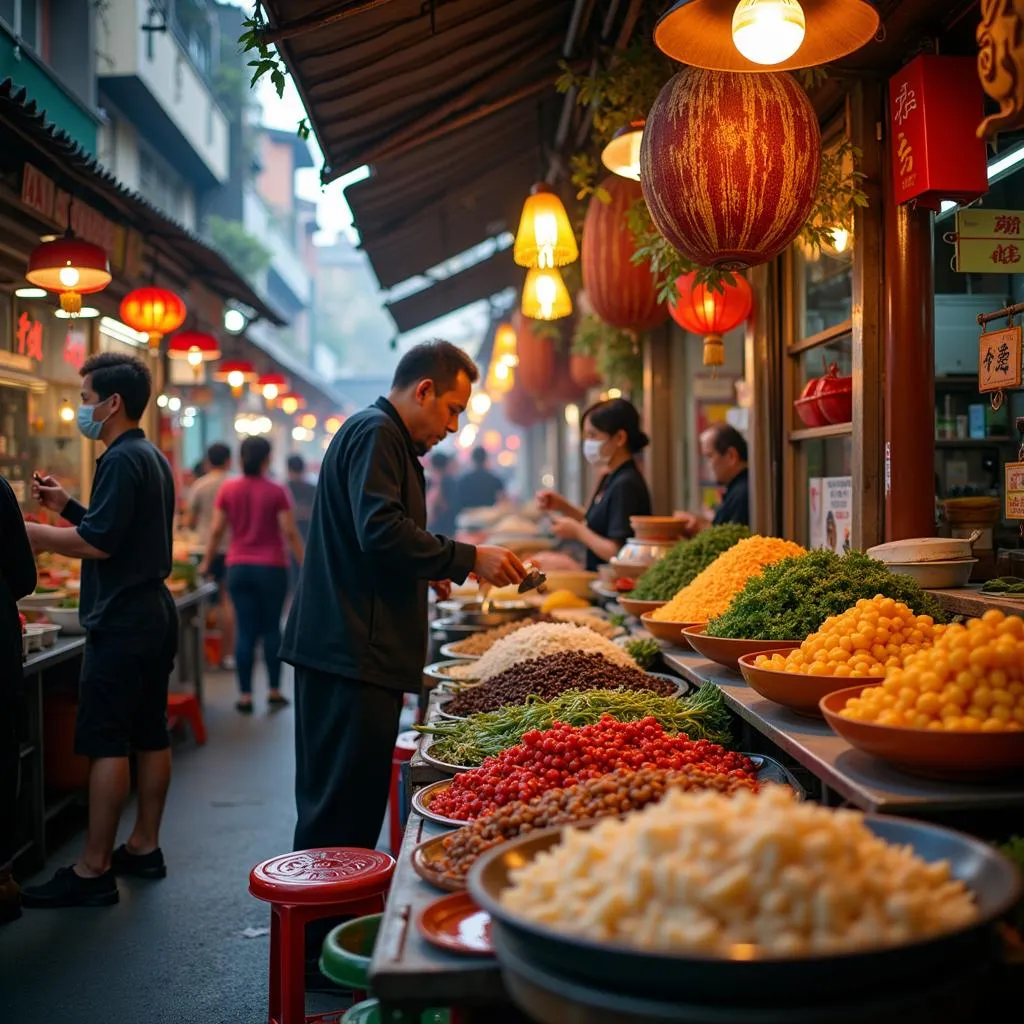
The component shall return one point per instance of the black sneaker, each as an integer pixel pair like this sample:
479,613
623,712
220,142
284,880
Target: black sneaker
139,865
66,889
243,707
278,700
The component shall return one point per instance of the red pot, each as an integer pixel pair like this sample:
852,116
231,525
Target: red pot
835,396
807,405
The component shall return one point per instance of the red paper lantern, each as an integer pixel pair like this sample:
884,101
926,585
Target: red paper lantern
621,292
536,370
583,370
70,266
155,311
702,310
730,165
566,390
520,408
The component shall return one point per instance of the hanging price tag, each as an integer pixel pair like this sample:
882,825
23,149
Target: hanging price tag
1014,490
999,360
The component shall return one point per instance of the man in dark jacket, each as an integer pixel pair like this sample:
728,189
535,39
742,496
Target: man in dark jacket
17,578
357,632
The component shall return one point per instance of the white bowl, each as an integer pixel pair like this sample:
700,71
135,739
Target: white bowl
66,618
936,575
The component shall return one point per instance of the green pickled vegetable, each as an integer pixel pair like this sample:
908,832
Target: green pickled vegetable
792,598
1004,585
685,562
700,716
644,652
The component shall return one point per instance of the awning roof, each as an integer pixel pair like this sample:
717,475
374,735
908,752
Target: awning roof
63,160
452,104
480,281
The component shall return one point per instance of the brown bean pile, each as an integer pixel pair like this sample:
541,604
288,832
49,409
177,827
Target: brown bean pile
607,795
481,643
550,676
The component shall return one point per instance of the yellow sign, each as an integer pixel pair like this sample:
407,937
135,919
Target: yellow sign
989,241
999,360
1015,490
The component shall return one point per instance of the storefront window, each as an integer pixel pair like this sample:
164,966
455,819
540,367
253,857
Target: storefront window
827,290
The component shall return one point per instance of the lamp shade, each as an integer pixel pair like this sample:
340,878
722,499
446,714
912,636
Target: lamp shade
622,155
291,403
710,135
545,296
545,237
195,347
156,311
621,292
270,385
704,311
713,34
505,350
71,267
236,373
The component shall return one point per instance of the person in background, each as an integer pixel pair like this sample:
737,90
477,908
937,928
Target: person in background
611,438
262,521
303,491
131,625
479,488
199,518
442,510
17,580
725,453
357,631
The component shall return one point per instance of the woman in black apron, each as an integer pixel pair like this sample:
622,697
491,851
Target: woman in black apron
611,438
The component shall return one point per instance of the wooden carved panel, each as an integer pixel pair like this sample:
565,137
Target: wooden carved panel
1001,63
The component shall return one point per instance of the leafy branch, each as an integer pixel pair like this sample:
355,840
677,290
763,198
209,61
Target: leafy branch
617,353
838,197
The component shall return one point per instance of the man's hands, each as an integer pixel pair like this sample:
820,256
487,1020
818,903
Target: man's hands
443,589
498,566
49,493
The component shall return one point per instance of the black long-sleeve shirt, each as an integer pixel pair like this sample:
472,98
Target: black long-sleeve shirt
360,610
17,578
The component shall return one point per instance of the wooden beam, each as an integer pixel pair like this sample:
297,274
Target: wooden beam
290,29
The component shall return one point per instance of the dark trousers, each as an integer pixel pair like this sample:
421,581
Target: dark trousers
345,734
258,593
10,774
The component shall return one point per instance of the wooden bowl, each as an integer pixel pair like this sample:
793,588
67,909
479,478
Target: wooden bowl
639,608
727,652
658,527
798,692
960,756
669,632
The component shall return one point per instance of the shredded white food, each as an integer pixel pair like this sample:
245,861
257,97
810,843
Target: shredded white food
537,641
705,872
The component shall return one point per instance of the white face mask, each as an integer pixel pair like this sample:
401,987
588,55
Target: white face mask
592,452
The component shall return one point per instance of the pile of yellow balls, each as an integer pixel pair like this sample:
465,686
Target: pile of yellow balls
970,680
867,640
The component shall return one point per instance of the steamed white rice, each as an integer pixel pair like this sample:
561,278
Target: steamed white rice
537,641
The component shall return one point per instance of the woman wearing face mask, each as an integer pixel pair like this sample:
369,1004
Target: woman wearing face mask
611,437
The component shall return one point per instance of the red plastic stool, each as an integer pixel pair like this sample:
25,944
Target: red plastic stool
305,886
405,747
186,706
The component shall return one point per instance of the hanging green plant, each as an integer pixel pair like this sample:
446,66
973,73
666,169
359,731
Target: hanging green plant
618,354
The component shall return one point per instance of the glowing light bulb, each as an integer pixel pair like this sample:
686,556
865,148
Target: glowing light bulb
545,230
161,401
614,393
69,276
546,293
501,371
270,392
174,404
67,414
768,31
332,424
236,378
467,436
840,239
480,403
234,321
709,304
299,433
195,358
289,405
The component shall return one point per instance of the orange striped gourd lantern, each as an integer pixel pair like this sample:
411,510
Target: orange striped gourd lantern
583,370
521,408
536,370
622,293
729,165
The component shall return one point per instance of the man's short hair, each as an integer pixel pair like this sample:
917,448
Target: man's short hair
479,457
439,361
724,437
218,455
116,374
296,464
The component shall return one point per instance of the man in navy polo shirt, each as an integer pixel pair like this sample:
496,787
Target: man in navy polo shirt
124,541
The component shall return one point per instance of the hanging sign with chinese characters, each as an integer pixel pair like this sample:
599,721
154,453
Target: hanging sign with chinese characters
999,360
1014,490
934,106
989,241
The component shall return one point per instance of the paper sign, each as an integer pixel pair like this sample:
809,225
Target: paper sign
830,512
1015,490
989,241
999,360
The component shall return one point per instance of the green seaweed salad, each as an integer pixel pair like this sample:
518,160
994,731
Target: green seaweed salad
686,561
792,598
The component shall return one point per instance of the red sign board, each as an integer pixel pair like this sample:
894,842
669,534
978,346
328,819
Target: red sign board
934,106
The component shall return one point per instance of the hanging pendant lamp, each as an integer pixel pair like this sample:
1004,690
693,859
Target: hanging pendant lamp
194,348
764,35
153,311
622,155
71,267
270,385
545,296
545,237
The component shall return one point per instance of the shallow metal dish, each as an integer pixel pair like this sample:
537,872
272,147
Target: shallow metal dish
687,977
471,613
441,671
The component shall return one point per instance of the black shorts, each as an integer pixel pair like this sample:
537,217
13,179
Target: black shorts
122,695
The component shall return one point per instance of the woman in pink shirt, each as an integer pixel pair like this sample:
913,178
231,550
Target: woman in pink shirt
262,523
